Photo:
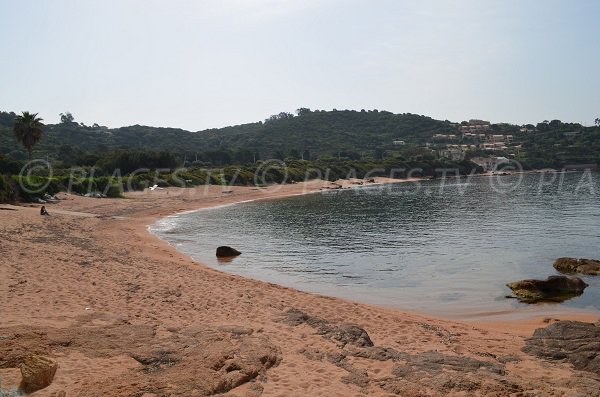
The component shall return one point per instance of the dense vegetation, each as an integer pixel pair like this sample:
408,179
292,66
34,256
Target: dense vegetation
311,135
328,144
556,144
113,181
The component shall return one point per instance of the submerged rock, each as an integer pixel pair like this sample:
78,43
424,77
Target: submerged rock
554,288
225,251
37,372
573,341
574,265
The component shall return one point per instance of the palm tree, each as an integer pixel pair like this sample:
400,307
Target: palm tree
28,130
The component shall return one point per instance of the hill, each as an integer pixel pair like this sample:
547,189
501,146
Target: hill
310,134
316,135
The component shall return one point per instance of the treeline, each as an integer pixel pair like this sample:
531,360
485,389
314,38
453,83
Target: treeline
124,171
554,144
331,144
308,135
317,134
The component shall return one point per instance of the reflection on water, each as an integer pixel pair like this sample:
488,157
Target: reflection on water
444,247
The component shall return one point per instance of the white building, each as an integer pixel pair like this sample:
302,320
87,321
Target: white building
454,154
489,163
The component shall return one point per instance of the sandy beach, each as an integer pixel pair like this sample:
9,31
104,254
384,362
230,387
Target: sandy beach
125,314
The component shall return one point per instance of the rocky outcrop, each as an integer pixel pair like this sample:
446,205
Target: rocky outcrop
554,288
37,372
346,334
412,374
575,342
343,334
435,362
582,266
197,360
227,252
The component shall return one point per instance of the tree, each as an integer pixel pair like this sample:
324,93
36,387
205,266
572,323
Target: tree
302,111
379,154
555,124
543,126
597,122
280,116
67,118
28,130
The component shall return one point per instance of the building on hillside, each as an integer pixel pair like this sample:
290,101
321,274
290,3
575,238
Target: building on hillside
399,142
478,122
452,153
489,163
445,137
493,146
497,138
474,126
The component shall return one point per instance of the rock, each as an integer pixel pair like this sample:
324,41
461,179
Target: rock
224,252
297,317
235,330
37,372
434,362
573,341
200,360
344,334
554,288
574,265
10,380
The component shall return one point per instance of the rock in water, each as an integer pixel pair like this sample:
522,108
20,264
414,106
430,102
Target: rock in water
224,252
574,265
37,372
554,288
573,341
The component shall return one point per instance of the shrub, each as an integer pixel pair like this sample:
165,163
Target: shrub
6,192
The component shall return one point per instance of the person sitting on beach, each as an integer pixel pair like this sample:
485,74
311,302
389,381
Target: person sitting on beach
43,210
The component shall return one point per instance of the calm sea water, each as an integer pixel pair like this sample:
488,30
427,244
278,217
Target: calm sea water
446,247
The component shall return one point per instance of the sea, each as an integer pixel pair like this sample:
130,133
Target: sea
446,247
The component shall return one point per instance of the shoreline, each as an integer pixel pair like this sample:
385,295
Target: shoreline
496,317
92,268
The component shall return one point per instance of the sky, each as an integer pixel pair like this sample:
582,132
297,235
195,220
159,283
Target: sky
207,64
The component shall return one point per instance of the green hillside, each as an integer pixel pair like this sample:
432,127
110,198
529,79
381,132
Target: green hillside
312,134
309,135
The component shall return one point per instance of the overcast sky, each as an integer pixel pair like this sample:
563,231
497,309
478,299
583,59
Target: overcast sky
202,64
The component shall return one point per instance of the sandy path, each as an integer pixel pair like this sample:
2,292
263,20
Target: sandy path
92,269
